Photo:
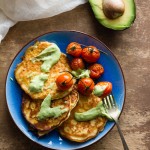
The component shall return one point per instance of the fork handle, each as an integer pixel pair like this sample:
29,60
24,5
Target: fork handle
121,135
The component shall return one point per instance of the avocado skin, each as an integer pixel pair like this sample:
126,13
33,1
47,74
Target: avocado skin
121,23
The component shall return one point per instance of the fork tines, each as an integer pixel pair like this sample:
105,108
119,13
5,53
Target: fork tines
109,101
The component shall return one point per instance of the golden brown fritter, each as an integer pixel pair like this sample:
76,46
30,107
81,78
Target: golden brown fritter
28,69
30,109
85,130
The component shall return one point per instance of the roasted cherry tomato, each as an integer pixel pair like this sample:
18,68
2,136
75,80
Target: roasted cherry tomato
74,49
85,86
90,54
96,70
107,86
64,81
77,63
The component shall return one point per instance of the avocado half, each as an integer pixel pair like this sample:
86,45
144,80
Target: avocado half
120,23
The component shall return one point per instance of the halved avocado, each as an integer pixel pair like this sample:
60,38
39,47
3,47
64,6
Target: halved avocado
120,23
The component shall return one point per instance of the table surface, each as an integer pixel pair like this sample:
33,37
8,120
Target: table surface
131,47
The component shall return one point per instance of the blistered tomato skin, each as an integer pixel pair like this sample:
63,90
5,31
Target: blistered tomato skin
96,70
77,63
108,88
74,49
86,86
90,54
64,81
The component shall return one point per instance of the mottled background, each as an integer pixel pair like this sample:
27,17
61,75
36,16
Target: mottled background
131,47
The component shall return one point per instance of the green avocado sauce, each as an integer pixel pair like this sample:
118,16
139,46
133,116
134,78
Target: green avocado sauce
47,112
81,73
37,83
49,56
93,113
99,90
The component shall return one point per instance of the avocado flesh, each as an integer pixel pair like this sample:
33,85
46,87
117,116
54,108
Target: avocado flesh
119,23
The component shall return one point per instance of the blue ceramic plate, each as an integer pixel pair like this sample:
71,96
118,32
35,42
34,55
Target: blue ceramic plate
113,73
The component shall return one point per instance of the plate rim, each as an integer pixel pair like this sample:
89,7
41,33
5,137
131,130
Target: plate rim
55,31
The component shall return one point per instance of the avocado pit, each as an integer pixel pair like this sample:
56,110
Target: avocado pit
113,8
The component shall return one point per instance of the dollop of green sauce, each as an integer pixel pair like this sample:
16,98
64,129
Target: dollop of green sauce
93,113
49,56
37,83
81,73
99,90
47,112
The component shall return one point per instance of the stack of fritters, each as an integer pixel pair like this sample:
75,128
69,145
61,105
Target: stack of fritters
30,109
31,102
68,99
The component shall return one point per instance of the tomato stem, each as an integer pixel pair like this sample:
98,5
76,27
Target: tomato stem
86,87
66,71
98,49
73,48
91,49
84,84
64,82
